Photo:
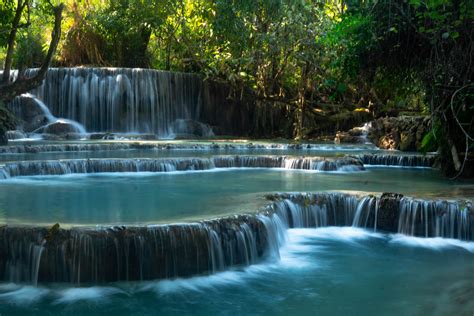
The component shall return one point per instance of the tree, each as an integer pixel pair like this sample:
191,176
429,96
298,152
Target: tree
428,45
17,16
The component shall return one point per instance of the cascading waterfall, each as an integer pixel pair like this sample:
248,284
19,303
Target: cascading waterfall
398,160
119,99
44,118
168,251
391,213
60,167
405,160
435,219
35,148
131,253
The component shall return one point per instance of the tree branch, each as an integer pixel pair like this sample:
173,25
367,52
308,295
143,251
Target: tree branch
9,90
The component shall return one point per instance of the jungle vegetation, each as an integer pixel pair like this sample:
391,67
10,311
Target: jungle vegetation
313,57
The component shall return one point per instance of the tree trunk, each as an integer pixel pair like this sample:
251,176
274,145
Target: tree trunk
9,90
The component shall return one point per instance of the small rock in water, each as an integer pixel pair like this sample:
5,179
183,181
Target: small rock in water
52,232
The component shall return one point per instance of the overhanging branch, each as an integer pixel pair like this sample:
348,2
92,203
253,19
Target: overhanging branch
8,90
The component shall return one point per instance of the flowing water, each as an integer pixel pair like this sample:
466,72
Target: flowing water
324,271
204,228
121,100
226,266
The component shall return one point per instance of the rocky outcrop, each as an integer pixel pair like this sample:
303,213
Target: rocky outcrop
30,113
59,128
403,133
356,135
388,212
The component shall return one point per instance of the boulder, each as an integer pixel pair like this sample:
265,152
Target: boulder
64,128
31,114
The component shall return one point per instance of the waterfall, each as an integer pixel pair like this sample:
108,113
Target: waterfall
71,166
435,219
398,160
302,163
120,99
389,212
131,253
85,255
37,117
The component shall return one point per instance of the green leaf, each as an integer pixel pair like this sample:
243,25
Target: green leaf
415,3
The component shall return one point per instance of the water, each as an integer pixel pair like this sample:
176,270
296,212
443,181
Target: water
148,197
50,118
121,100
247,264
325,271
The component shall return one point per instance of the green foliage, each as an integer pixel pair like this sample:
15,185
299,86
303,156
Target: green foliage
317,58
31,38
30,49
431,139
7,11
347,41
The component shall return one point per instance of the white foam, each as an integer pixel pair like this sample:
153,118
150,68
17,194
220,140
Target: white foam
368,166
436,243
22,295
344,234
94,294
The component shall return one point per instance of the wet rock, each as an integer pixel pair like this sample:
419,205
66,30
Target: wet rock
60,128
348,138
98,136
52,232
403,133
30,114
388,212
191,129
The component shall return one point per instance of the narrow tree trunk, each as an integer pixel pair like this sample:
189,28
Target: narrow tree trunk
11,41
9,90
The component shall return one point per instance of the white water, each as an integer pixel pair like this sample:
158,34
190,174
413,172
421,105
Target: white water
121,100
318,266
53,119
